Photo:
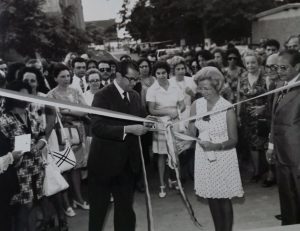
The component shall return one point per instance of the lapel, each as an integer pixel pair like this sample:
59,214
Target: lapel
117,100
287,98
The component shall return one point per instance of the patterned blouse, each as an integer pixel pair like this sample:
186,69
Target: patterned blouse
31,169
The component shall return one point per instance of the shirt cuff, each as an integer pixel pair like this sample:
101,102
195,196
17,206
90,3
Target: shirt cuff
271,146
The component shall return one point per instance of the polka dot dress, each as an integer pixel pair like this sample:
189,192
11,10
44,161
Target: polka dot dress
220,178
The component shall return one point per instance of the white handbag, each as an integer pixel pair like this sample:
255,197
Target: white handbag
54,182
65,159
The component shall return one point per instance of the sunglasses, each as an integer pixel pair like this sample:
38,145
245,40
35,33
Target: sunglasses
29,81
232,58
269,68
131,78
94,81
107,69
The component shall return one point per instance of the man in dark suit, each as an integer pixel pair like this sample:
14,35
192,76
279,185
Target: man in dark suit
115,156
285,138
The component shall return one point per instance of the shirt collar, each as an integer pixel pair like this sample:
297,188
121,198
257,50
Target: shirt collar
120,90
156,85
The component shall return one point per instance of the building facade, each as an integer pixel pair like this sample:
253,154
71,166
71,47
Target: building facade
278,23
55,7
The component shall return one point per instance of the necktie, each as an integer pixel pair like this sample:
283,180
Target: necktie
125,99
81,85
281,95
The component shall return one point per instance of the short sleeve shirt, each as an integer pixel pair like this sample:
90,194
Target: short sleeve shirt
164,98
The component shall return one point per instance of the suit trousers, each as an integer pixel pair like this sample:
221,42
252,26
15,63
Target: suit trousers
288,179
122,189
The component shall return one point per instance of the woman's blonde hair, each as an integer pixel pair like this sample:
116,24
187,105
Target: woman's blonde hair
212,74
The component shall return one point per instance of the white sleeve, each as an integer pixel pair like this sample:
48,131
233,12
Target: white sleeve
5,161
150,96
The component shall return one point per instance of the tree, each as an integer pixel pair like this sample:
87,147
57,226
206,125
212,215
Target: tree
192,19
25,28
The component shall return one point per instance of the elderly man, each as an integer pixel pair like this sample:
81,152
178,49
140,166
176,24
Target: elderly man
293,43
284,143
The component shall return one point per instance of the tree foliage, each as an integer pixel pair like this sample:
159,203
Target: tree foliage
26,28
192,19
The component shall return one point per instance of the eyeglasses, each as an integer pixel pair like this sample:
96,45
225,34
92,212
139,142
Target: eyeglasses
194,67
94,81
272,67
144,66
131,78
29,81
232,58
107,69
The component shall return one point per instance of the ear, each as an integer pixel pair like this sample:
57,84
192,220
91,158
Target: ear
297,67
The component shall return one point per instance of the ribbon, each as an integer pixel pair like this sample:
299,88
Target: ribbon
147,194
296,84
68,105
175,164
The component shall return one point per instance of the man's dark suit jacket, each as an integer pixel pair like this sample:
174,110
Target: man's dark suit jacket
109,153
285,129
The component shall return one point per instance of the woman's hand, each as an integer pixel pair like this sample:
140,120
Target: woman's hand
173,113
17,154
208,146
183,145
190,92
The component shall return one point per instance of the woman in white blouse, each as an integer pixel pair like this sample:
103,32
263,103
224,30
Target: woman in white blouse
165,100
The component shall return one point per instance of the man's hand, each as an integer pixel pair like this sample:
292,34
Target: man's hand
257,110
137,129
270,156
17,154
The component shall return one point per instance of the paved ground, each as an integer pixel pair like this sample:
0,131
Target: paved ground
255,210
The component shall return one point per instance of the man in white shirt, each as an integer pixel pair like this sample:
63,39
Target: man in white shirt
79,69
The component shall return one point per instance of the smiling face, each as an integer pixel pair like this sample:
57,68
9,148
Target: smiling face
251,64
63,79
94,81
207,89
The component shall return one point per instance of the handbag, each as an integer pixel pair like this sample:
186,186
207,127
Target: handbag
65,160
54,182
71,132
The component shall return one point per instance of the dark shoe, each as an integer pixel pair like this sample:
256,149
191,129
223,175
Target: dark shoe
278,217
268,183
63,225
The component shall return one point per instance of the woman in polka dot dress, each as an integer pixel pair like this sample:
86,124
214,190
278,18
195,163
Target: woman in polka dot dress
217,176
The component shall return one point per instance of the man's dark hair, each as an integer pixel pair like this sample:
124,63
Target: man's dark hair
77,60
126,57
207,55
39,78
103,61
12,69
161,65
125,65
91,61
272,43
294,56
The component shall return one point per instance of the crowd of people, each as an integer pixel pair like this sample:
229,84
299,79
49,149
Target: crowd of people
263,132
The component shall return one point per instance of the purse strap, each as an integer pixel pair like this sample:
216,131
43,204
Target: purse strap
62,128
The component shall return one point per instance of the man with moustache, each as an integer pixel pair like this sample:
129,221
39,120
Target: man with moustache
79,69
105,73
285,137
